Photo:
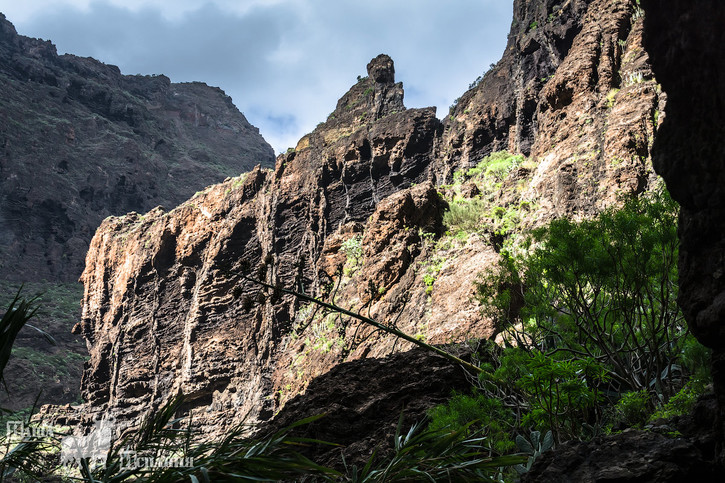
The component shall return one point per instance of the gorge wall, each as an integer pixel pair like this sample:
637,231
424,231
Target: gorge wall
685,39
80,142
355,213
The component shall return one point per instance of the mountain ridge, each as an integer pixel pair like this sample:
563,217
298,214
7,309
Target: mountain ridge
100,143
80,142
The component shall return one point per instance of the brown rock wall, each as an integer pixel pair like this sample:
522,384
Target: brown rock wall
166,308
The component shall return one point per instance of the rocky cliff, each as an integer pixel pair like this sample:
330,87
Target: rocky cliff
80,142
574,91
355,213
685,39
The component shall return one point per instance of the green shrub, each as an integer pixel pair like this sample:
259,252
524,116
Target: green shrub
352,247
604,288
696,360
558,394
466,216
496,165
681,403
481,413
633,409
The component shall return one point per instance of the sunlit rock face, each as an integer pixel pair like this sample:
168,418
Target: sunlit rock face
574,91
355,209
166,309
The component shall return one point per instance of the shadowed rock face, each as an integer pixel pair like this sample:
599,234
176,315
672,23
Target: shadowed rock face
364,399
637,456
685,39
166,308
79,142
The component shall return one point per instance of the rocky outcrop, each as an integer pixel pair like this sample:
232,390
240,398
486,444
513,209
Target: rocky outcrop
166,308
353,214
679,450
79,142
632,456
685,39
575,93
364,401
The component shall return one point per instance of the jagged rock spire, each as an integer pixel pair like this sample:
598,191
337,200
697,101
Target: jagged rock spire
382,69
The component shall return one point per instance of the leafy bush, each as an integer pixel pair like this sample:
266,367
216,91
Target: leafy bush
477,412
633,409
604,289
696,358
466,216
496,165
681,403
352,247
558,392
593,332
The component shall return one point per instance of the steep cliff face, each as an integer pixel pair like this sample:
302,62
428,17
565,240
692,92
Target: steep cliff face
574,91
685,40
354,213
165,307
79,142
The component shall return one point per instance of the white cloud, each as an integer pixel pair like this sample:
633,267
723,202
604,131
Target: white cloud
284,62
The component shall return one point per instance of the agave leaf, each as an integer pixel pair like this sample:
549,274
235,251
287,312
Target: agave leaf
17,314
548,441
523,445
535,436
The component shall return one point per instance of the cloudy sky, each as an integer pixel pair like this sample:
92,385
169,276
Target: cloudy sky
284,62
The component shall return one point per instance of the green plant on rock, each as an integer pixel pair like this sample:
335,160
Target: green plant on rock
604,289
681,403
611,96
466,216
477,412
432,268
633,409
352,247
534,447
496,165
560,393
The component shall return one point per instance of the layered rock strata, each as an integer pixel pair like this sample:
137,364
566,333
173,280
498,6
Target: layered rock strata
353,213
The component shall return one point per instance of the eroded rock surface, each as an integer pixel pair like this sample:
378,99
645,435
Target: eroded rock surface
353,213
166,308
575,92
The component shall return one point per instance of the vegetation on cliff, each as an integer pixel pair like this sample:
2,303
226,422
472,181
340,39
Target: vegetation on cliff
592,339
